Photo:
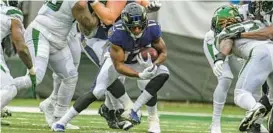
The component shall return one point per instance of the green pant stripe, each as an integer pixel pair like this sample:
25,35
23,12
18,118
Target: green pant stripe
35,38
246,62
211,51
2,68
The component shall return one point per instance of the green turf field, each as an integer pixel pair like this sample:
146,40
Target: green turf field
182,123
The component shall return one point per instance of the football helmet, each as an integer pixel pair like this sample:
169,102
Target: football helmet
134,15
225,16
13,3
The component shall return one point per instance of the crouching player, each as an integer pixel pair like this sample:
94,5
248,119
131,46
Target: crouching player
127,37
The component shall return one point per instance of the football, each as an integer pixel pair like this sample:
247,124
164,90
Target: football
144,52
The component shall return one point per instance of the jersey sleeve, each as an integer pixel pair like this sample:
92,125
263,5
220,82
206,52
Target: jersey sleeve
155,29
15,13
114,36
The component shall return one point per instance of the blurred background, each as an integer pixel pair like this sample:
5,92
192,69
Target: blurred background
184,24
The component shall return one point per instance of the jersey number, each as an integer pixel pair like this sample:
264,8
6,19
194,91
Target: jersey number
54,4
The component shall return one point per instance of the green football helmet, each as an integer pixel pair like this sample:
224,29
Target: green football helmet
225,16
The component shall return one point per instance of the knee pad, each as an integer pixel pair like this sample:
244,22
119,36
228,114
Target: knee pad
99,91
156,83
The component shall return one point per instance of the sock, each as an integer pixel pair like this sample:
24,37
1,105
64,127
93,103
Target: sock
141,100
56,85
115,102
69,115
107,101
126,101
152,110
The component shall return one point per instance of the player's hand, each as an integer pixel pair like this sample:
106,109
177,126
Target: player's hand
148,72
32,75
234,35
218,68
144,63
154,6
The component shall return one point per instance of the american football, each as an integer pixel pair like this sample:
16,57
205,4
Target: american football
144,52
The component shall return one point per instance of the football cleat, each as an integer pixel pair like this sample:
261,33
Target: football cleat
58,127
257,128
70,126
154,125
5,112
47,108
132,116
125,125
109,116
257,112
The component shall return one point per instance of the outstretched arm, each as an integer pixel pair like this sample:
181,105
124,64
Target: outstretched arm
160,46
17,36
263,34
81,13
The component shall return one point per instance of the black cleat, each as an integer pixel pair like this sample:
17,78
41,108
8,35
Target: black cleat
255,128
251,117
109,116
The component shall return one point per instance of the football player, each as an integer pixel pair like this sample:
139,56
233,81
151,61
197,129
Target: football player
12,24
48,105
262,10
109,12
46,37
226,76
126,40
258,55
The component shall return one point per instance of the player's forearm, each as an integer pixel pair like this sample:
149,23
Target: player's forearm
108,14
226,46
84,17
125,70
263,34
161,58
25,57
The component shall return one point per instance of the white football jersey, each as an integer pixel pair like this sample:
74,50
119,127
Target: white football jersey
243,11
7,13
243,47
55,20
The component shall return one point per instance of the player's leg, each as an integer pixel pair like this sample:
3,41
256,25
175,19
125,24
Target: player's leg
8,90
220,92
253,75
106,76
38,47
61,62
151,89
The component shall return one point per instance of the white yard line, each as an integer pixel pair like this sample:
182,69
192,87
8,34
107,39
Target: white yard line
95,112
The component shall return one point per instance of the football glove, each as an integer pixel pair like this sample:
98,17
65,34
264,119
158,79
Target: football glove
154,6
148,72
218,68
146,63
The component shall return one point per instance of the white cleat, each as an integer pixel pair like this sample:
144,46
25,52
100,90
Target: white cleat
47,108
70,126
58,127
215,128
154,125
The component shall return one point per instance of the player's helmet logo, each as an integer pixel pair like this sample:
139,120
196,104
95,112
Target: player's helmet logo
132,16
225,16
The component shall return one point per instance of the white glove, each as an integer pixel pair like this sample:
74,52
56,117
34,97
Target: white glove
218,68
148,72
154,6
146,63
